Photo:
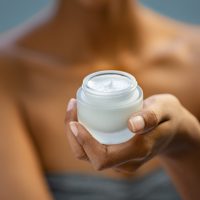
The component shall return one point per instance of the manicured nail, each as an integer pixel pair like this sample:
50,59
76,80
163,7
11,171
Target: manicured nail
71,104
137,123
73,128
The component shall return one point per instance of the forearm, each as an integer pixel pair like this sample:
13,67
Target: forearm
183,165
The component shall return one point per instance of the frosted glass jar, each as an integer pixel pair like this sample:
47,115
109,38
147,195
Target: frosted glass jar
105,102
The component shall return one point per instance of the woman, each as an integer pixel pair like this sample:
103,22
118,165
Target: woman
42,70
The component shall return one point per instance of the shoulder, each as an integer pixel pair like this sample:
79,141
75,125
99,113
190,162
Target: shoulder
11,81
11,73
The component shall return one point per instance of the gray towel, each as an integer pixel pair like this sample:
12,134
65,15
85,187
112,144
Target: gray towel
154,186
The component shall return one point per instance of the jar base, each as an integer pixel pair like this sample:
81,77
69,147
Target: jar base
112,138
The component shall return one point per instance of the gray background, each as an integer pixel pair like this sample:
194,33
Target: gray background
15,12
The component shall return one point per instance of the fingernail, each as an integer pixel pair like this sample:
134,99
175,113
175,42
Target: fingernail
71,104
73,128
137,123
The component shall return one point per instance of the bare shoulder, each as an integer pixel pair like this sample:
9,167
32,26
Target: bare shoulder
11,74
8,88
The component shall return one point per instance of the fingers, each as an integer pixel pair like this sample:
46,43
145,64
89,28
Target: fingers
96,152
157,109
136,151
71,115
106,156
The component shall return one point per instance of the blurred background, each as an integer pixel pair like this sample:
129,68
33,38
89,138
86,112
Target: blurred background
13,13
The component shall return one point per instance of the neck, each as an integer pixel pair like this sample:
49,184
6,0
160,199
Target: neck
78,32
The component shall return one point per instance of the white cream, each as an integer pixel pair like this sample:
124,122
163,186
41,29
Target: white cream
109,83
105,102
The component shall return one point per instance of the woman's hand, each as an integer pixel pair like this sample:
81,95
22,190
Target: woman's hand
162,120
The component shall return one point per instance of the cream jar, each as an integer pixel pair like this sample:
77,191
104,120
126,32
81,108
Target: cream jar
105,102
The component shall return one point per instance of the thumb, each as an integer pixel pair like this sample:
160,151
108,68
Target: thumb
155,111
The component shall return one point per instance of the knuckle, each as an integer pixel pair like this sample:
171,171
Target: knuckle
172,98
175,105
98,168
150,100
150,118
83,140
67,117
81,156
101,165
102,161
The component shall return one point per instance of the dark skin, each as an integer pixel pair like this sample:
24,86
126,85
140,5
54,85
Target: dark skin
168,131
42,70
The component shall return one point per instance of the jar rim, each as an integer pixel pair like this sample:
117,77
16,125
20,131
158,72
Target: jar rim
133,84
82,100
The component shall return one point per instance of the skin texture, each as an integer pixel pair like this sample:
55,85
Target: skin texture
170,132
42,70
